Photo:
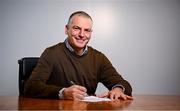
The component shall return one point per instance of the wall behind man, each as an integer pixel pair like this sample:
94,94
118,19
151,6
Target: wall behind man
140,37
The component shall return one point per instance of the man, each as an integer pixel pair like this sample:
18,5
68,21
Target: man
72,70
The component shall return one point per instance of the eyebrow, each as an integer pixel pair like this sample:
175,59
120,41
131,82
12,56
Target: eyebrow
86,29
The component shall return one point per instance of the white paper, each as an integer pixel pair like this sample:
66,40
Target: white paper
95,99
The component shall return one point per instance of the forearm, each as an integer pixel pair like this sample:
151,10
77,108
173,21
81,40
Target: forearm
37,89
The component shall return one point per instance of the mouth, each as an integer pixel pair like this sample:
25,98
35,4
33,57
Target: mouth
80,40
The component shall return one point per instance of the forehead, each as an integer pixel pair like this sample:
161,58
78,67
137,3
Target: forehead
81,21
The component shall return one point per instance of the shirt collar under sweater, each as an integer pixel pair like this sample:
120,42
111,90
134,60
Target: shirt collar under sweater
72,50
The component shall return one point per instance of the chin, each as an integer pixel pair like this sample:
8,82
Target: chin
80,45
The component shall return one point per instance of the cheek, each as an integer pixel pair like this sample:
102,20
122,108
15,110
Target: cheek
74,33
88,36
71,33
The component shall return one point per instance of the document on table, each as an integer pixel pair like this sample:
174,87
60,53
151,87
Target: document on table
95,99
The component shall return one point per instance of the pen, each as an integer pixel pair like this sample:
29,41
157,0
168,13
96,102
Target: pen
72,83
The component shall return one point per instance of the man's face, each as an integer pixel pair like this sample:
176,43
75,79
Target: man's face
79,32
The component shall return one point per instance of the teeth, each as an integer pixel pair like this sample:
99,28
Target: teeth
80,39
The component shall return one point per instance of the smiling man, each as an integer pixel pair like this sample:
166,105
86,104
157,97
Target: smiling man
79,29
72,69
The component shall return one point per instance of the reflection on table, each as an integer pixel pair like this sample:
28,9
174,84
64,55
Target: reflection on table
140,102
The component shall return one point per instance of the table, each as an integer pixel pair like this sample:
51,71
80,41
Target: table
140,102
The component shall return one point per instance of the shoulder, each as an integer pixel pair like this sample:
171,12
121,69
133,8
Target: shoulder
95,52
98,55
56,46
52,51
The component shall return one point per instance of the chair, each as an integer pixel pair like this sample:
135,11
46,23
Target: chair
26,66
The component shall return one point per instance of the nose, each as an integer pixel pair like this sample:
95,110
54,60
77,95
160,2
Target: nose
81,33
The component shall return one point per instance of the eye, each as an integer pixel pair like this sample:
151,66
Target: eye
76,28
88,30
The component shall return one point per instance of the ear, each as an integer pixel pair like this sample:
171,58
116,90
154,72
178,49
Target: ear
66,29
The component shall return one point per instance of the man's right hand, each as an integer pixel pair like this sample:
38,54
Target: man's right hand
75,92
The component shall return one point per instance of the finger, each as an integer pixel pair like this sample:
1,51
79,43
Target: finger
112,96
80,92
80,88
77,96
123,96
116,96
72,91
129,97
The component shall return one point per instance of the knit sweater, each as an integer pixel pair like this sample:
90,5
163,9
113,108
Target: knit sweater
58,66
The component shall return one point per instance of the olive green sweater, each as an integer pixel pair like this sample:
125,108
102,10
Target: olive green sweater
58,66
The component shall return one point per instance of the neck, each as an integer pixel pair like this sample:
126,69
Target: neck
78,51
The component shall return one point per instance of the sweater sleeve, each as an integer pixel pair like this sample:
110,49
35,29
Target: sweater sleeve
110,77
36,85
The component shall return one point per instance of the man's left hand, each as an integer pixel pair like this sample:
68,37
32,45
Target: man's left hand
115,94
